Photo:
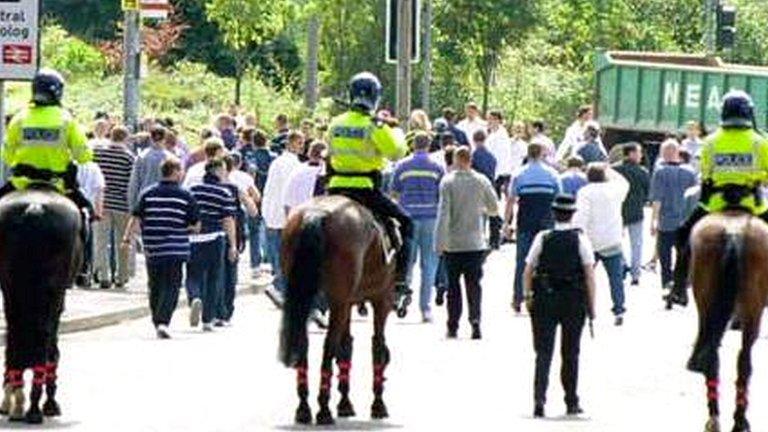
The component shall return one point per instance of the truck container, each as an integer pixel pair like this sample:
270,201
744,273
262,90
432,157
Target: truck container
645,97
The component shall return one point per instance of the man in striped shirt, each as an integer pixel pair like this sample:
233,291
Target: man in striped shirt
218,208
167,214
116,163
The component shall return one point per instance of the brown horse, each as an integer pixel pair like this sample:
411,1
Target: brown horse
332,245
730,281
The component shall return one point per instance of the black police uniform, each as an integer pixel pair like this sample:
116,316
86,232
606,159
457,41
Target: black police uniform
559,298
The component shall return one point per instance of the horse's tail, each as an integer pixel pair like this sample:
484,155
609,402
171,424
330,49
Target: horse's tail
303,287
722,304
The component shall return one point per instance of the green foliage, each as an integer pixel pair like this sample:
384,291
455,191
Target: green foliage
65,53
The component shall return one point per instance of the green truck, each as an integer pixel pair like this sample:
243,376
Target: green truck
644,97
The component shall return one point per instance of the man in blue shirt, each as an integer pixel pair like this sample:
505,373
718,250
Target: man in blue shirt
257,159
416,184
573,178
205,281
533,189
668,185
167,214
483,160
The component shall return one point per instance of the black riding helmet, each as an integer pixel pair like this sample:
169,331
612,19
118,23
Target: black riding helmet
365,92
738,110
47,87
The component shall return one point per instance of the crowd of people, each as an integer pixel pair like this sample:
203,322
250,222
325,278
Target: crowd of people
244,183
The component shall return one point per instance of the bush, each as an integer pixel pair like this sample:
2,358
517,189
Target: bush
70,55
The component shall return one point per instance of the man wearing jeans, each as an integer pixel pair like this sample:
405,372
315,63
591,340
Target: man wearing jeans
205,272
273,207
668,185
416,184
632,210
466,199
533,189
598,213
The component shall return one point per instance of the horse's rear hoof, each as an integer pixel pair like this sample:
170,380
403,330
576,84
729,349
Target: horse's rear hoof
379,410
741,425
51,408
324,417
713,425
345,409
34,416
303,414
16,405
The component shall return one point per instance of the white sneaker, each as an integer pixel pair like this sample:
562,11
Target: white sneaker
426,317
319,319
195,312
162,332
207,327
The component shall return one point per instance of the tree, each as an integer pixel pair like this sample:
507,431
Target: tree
246,24
484,29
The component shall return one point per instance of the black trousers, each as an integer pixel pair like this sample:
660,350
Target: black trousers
383,206
501,184
550,310
164,284
469,265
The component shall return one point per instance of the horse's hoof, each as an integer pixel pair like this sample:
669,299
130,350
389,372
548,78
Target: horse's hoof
303,414
324,417
379,410
713,425
345,408
51,408
34,416
16,405
741,425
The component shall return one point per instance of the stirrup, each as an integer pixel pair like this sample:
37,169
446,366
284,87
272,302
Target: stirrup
403,300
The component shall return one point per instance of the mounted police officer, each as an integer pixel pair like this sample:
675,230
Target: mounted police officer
360,146
559,284
734,164
43,142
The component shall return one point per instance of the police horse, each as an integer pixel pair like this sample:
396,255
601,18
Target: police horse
335,246
730,281
40,253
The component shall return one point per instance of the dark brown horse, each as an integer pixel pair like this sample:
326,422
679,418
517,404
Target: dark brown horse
40,253
730,281
332,246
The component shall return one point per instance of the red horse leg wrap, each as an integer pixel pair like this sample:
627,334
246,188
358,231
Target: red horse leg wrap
50,372
325,380
344,368
378,377
301,375
39,373
15,377
712,389
741,396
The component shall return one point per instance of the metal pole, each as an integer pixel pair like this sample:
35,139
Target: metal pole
313,42
710,20
426,83
132,72
405,29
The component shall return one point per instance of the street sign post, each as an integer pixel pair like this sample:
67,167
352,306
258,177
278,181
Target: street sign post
155,9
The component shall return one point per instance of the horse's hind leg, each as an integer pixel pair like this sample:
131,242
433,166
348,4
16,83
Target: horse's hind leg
344,362
303,412
749,335
13,398
381,359
339,316
34,415
51,407
713,404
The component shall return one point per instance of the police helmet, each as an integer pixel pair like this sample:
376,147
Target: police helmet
564,203
47,87
738,110
365,91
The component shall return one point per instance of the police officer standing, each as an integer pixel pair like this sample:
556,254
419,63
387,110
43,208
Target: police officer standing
734,163
559,290
360,146
43,142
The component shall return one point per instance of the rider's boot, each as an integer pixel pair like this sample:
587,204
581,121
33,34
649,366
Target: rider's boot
403,298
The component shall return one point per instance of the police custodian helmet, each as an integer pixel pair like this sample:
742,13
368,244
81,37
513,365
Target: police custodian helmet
365,91
47,87
738,110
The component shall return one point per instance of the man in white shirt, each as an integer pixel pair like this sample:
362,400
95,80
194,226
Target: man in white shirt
500,146
304,185
92,184
575,133
473,122
273,205
213,149
598,213
539,137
